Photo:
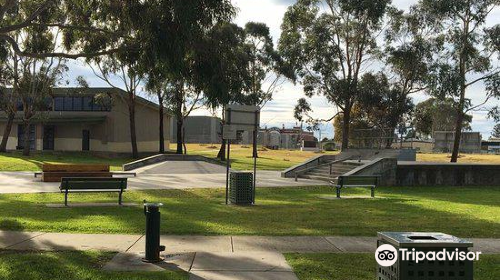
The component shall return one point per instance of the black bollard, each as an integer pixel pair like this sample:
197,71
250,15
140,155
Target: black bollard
153,247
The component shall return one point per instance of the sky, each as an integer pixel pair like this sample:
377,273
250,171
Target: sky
279,111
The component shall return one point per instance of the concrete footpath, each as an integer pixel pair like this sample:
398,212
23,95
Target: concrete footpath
15,240
24,182
206,257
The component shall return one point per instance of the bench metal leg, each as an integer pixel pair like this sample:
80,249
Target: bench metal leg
338,191
66,198
373,191
120,197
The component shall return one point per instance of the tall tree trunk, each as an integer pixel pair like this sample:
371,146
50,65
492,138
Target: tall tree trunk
162,131
6,132
184,139
345,128
458,126
180,124
27,146
131,115
222,151
461,103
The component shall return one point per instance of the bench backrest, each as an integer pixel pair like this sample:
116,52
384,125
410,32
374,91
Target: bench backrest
47,167
93,184
358,180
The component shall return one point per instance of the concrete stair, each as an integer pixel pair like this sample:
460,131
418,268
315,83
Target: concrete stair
322,172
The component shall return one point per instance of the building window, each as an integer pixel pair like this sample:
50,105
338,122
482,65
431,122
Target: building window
68,103
77,104
58,103
87,103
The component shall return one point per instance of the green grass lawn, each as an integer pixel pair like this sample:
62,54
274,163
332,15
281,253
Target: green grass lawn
15,161
241,156
465,212
363,266
70,266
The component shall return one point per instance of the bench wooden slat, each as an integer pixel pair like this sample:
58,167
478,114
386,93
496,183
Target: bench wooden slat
47,167
57,176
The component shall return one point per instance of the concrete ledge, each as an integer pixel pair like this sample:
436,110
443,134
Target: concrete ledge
167,157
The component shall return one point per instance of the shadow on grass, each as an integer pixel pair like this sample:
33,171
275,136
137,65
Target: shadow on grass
363,266
279,211
37,158
69,266
484,195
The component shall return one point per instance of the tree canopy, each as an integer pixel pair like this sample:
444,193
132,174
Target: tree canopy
327,49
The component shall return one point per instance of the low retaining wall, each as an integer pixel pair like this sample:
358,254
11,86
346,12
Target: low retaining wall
447,174
383,167
166,157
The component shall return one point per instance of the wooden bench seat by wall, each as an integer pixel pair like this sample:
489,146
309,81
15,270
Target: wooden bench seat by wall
54,172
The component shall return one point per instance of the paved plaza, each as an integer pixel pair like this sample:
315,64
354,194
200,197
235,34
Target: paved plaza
164,175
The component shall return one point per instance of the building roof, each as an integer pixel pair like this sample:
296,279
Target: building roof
62,91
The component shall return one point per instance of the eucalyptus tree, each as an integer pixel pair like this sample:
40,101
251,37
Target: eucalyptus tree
225,78
385,104
248,70
438,115
8,100
89,28
467,54
37,78
328,44
267,69
120,71
381,107
167,33
180,98
158,88
31,78
496,131
72,29
175,50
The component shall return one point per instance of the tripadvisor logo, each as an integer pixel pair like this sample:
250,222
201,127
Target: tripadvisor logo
386,255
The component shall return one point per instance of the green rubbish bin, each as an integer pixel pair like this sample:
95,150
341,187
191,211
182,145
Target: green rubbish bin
241,188
408,268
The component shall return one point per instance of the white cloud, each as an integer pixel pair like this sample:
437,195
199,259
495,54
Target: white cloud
280,110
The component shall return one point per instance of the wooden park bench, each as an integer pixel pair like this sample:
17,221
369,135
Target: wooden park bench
356,182
54,172
73,185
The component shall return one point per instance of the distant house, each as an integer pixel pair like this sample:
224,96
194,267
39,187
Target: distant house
94,119
491,145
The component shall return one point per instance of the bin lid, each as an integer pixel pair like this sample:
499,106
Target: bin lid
149,204
423,239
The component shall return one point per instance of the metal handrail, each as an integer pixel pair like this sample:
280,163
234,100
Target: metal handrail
297,173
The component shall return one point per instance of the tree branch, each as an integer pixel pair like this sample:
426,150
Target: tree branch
28,20
482,78
20,52
77,27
